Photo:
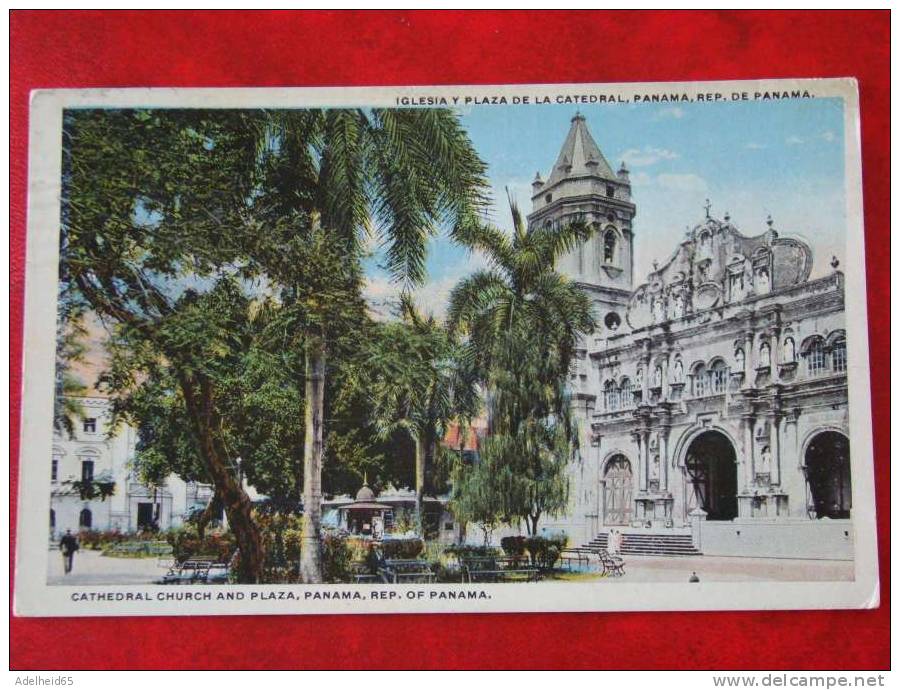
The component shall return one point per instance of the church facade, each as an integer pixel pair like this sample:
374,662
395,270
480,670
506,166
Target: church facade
712,398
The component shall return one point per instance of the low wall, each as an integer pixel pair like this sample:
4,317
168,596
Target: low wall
814,539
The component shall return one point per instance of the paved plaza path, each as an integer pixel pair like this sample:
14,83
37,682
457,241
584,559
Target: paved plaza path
91,568
729,569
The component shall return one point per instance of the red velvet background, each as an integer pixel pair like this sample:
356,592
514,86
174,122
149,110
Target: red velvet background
170,48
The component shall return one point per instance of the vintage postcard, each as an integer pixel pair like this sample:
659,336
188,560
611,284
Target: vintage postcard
583,347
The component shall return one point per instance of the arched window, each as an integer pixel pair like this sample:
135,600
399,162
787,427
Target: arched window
718,377
85,519
609,246
789,350
815,357
626,398
610,396
839,355
765,355
699,381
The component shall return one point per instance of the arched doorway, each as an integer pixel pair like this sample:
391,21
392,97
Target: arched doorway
828,474
617,502
711,468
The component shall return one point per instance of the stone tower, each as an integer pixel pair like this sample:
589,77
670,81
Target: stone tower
583,186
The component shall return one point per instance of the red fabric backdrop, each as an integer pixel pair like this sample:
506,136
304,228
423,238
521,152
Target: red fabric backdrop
170,48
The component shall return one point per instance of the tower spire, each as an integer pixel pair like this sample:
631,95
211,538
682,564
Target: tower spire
580,156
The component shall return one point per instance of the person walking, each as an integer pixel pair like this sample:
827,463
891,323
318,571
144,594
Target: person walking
68,545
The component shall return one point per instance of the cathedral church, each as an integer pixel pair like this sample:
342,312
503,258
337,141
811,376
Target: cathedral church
712,398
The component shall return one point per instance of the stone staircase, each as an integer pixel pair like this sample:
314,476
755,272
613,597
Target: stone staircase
649,544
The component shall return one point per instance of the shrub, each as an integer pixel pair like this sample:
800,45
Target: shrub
186,544
360,548
463,551
336,557
89,539
513,546
545,551
402,548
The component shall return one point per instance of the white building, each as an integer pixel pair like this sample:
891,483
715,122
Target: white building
98,460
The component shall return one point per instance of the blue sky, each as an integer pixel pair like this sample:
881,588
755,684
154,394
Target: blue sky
752,159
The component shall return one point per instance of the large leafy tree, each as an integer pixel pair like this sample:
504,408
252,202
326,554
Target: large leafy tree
345,174
155,241
524,322
417,382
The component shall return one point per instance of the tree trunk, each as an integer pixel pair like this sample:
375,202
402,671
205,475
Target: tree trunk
420,485
313,449
207,515
532,522
237,504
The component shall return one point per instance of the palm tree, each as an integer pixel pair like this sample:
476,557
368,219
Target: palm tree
524,322
397,173
418,383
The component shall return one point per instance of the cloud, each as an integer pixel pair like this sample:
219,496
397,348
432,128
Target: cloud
682,182
753,146
793,141
432,297
828,135
641,179
649,155
673,112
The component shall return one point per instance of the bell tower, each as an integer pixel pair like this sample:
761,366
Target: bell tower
582,186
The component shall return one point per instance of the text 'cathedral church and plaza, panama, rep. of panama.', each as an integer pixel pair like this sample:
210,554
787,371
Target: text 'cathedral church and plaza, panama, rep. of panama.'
712,397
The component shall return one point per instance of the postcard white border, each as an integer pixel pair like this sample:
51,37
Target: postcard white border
33,597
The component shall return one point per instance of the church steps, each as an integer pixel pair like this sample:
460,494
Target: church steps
638,544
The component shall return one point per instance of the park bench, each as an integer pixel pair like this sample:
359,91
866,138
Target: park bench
398,570
576,556
362,573
196,570
499,569
613,566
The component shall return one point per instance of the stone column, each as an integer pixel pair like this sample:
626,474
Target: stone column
775,353
637,437
664,458
644,448
747,428
664,394
775,421
750,360
793,479
645,381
